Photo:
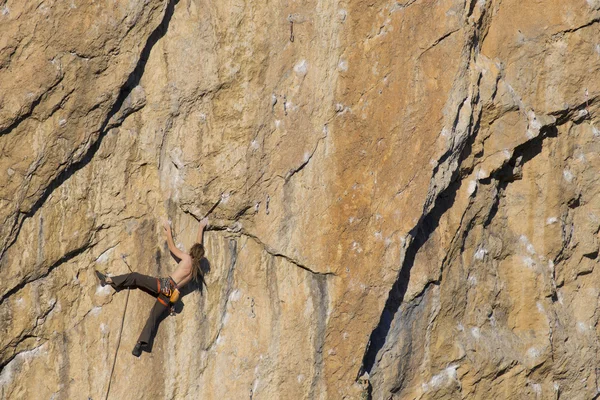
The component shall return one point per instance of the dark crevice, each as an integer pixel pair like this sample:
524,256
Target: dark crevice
242,211
268,249
320,299
590,23
438,41
229,284
275,253
576,113
420,235
132,81
294,171
31,109
450,151
472,4
12,357
591,255
14,344
413,312
510,171
429,223
24,116
67,257
297,264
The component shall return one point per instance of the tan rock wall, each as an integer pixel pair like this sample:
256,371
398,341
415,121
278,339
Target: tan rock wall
406,189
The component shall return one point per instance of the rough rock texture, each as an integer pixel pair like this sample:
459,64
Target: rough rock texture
404,192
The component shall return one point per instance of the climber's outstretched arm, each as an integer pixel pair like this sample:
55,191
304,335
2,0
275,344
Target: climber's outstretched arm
203,225
178,253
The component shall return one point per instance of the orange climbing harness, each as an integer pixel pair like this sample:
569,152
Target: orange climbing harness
169,289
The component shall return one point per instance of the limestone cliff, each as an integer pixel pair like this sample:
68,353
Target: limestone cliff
404,197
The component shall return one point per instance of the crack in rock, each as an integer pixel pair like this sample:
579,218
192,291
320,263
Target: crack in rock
123,103
66,258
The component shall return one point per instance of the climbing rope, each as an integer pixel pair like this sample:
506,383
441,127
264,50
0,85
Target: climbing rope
120,331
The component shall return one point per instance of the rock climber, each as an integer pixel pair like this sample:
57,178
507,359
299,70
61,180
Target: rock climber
166,289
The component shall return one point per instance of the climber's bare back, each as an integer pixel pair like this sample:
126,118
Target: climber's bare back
183,274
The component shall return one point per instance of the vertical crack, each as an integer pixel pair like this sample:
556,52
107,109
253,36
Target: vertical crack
228,290
321,302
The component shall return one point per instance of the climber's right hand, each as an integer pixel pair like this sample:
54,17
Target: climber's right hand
204,222
167,226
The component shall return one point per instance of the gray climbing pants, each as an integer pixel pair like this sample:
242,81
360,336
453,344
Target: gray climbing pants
150,284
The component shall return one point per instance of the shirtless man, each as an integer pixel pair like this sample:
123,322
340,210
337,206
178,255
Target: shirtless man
166,290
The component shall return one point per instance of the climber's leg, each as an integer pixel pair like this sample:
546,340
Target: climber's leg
135,280
159,308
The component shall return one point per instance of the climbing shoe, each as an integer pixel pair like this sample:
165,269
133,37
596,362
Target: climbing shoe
102,278
137,350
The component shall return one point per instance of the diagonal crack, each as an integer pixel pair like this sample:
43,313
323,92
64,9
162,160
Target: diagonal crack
21,353
23,336
294,171
397,6
66,258
71,168
443,191
270,250
438,41
571,30
429,223
19,119
273,252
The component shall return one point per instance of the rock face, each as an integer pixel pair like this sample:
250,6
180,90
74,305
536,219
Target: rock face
405,192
